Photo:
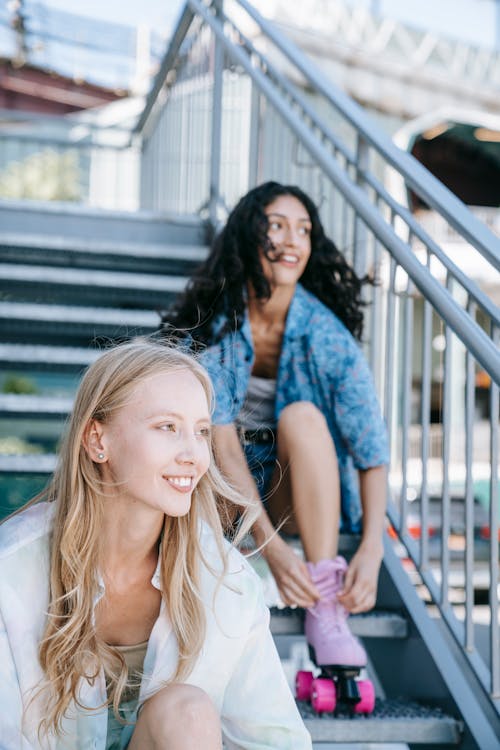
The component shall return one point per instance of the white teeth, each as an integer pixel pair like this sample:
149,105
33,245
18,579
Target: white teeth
181,481
290,258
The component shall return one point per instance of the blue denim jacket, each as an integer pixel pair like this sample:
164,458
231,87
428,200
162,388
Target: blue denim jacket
320,362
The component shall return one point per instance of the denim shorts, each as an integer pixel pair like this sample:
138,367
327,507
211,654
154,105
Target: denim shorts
261,460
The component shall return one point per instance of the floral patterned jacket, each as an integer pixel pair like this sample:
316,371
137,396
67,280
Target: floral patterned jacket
320,362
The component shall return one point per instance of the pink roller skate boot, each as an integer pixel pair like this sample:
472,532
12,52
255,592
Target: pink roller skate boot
333,647
326,629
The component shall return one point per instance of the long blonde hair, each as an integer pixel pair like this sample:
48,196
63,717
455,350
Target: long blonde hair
70,648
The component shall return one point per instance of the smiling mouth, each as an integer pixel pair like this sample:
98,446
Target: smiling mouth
183,484
288,258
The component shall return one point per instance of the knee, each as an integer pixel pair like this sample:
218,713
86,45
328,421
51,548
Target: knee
179,706
300,419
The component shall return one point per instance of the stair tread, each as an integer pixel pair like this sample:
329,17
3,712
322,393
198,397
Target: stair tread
30,463
93,246
75,210
40,354
34,405
77,314
90,277
96,248
392,721
379,624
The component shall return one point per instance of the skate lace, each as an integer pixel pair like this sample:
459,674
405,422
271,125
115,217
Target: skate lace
332,622
332,615
330,583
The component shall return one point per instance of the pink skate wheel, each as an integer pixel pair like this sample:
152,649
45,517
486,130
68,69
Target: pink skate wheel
367,695
323,696
303,685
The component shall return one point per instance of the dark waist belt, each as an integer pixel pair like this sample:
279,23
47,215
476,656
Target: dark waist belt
261,435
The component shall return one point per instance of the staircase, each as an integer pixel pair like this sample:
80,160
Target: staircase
86,278
390,637
74,279
72,282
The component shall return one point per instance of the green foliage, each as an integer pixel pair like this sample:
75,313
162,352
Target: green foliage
19,384
15,446
47,175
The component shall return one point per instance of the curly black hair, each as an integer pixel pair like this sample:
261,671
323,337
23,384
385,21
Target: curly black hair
219,285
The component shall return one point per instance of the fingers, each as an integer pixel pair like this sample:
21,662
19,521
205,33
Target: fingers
360,585
295,585
293,596
356,602
298,590
359,595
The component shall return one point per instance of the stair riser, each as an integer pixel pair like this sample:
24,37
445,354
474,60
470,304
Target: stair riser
101,261
114,226
45,293
69,334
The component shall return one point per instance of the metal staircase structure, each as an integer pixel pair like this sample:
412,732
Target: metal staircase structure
223,115
389,57
102,277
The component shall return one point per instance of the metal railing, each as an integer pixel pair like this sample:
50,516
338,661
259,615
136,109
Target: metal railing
231,109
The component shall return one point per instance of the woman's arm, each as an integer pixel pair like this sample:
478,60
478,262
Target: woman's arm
360,588
289,571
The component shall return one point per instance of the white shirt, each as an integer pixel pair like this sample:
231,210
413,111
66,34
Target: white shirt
238,667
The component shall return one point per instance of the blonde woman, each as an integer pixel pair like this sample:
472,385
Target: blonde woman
126,619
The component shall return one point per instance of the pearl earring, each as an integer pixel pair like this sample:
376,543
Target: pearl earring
100,456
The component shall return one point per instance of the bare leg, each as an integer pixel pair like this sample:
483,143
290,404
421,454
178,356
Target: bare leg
309,490
178,717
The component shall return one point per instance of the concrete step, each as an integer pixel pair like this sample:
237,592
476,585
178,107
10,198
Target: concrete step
34,407
44,463
26,283
68,220
39,357
377,624
391,721
24,322
71,252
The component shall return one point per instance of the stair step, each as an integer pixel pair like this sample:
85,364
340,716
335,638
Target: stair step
76,325
31,463
377,624
35,407
46,283
48,218
68,314
36,357
391,721
27,274
56,250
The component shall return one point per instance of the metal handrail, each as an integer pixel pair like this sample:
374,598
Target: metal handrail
80,144
432,191
346,170
416,229
181,28
73,119
467,330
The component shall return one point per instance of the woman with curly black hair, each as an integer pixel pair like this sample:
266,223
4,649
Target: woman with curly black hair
275,312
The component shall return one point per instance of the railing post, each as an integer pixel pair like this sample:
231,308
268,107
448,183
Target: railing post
360,233
493,592
253,151
216,139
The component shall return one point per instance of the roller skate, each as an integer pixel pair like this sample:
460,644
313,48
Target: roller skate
333,649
